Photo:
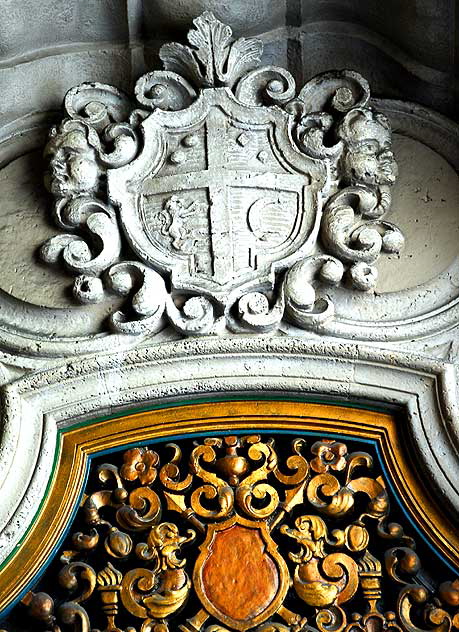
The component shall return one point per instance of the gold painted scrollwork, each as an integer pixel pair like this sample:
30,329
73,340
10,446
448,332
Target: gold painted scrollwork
158,592
214,487
435,619
320,578
282,536
296,463
71,573
170,472
142,511
252,487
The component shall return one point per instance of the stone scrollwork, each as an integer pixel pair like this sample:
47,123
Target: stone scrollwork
148,296
303,308
237,533
220,197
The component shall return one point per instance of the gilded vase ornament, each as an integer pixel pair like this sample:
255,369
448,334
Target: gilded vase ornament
237,196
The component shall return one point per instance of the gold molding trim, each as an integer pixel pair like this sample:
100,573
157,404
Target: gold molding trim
78,444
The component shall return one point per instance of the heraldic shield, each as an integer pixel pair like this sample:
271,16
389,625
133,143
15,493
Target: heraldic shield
254,582
219,196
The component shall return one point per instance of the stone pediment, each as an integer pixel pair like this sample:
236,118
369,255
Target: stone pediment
220,197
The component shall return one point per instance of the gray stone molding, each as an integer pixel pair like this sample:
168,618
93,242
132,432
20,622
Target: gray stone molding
35,406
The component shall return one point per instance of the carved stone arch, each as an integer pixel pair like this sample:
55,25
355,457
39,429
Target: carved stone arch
153,378
222,227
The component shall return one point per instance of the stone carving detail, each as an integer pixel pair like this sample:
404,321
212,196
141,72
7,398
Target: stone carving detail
285,544
225,186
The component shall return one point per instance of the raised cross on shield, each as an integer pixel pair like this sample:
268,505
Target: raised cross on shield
220,197
194,206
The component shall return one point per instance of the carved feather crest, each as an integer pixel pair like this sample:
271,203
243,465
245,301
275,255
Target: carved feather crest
212,59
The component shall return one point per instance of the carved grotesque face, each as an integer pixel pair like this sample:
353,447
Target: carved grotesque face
303,524
368,163
166,540
368,158
73,168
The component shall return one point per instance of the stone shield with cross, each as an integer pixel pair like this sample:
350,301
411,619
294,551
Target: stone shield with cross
219,197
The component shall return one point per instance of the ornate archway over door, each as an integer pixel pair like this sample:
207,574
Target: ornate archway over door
237,515
224,232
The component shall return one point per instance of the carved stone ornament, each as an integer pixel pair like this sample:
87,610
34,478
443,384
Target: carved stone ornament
219,198
235,533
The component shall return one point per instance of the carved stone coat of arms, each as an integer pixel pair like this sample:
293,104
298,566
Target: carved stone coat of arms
219,197
222,198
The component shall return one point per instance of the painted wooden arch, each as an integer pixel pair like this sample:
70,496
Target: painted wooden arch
303,519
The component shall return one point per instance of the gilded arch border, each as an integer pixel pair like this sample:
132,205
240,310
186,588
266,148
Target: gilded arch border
77,445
